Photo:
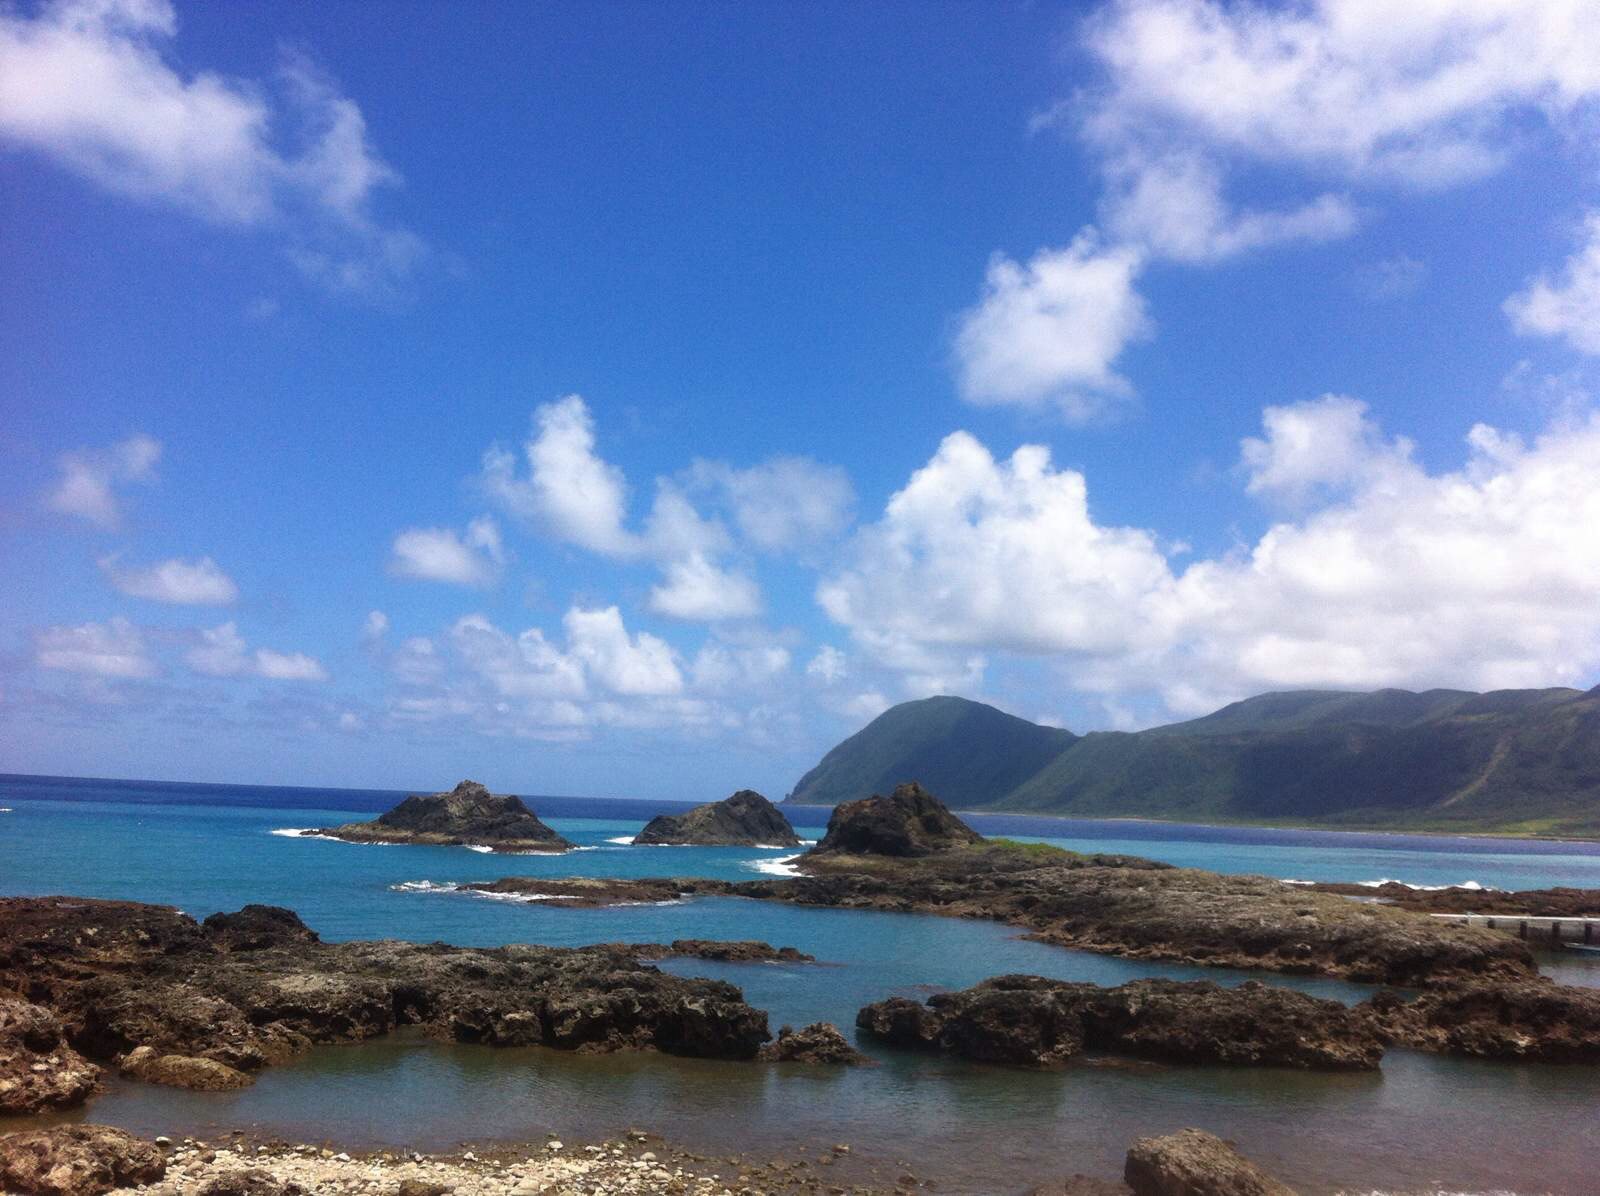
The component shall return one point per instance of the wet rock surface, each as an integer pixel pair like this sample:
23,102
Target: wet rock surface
578,892
820,1042
1195,1163
182,1071
1529,1021
122,976
76,1160
1136,908
909,822
467,815
746,819
38,1069
1037,1022
1531,903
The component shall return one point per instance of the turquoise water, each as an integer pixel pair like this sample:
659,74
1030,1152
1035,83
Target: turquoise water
1424,1125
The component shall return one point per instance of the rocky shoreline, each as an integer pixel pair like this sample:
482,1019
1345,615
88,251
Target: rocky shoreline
94,1160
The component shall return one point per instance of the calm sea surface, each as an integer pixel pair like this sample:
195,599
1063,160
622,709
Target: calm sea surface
1425,1125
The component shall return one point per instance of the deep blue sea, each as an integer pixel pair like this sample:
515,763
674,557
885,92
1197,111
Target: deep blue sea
1424,1125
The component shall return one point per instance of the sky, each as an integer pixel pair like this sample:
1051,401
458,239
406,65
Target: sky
636,399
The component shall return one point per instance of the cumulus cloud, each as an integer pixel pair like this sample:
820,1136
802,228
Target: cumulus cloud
1566,305
178,582
1424,94
783,504
1323,445
1481,577
639,665
697,590
443,554
91,85
89,478
570,491
114,650
1051,331
222,652
828,665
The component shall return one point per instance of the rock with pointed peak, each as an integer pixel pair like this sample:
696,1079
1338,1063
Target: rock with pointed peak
467,816
746,819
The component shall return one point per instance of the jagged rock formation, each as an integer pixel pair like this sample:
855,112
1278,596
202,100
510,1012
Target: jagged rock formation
1528,1021
122,976
38,1070
909,822
1036,1022
76,1160
468,815
1122,905
819,1042
744,820
1195,1163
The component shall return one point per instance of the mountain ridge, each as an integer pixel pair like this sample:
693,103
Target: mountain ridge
1523,761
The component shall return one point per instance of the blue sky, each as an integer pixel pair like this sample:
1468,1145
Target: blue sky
633,399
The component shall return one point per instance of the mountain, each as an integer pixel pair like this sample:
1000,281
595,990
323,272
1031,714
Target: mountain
1510,761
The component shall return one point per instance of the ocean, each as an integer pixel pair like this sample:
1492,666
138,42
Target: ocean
1424,1125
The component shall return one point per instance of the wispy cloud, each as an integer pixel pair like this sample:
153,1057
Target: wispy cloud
89,479
178,582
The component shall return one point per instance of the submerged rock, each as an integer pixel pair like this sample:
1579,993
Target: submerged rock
1037,1022
38,1070
468,815
76,1160
744,820
1195,1163
820,1042
578,892
182,1071
1532,1020
909,822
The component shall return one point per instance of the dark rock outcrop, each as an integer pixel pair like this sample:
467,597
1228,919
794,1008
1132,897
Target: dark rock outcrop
38,1070
1195,1163
909,822
258,926
1531,903
1036,1022
738,951
194,1004
467,815
76,1160
744,820
1531,1020
578,892
1141,909
820,1042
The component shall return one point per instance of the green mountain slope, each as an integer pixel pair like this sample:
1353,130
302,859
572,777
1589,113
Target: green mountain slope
1514,761
950,745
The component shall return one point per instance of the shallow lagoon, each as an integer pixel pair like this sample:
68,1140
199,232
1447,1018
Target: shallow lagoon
1424,1125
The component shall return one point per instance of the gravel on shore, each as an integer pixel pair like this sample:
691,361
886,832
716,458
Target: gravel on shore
636,1165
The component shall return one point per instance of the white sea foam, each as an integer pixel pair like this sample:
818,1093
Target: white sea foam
480,847
425,886
6,810
297,832
294,832
778,867
1470,885
622,840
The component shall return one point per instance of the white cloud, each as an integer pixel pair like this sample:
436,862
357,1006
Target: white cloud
442,554
637,666
89,478
697,590
222,652
113,649
1172,204
1323,445
89,84
1483,577
178,582
1423,93
526,666
1052,330
570,491
782,504
375,627
828,665
721,668
288,666
1567,306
